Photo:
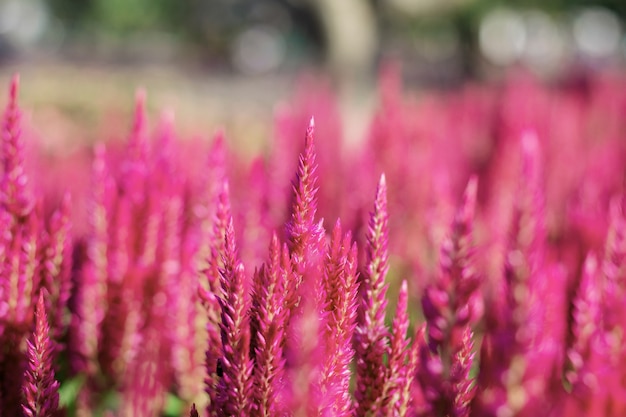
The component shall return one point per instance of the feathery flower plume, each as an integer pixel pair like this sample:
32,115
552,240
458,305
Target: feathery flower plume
306,242
448,309
22,269
372,334
613,309
614,271
305,236
13,192
20,254
234,390
464,385
134,168
341,288
143,391
587,330
57,264
41,396
269,314
396,397
517,316
20,221
209,294
92,291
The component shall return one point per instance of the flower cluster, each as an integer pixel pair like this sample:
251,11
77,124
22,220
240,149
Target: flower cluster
467,260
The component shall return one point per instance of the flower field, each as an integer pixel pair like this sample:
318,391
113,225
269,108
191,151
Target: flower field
466,259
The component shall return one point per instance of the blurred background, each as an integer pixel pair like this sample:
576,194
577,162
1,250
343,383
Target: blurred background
229,61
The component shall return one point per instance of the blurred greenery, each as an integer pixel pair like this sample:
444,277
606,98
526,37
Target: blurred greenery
210,25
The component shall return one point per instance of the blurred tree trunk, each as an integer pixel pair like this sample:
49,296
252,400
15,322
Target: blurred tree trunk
351,34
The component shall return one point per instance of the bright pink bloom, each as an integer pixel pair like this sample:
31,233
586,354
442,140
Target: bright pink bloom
371,334
41,396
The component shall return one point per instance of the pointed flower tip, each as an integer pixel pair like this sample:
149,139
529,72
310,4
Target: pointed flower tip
381,193
382,182
404,289
140,109
469,197
140,98
194,411
310,132
40,302
15,87
225,190
472,186
591,263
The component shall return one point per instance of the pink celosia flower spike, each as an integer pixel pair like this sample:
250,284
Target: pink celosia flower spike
41,396
371,333
135,168
269,313
587,331
613,309
516,320
193,412
91,303
304,234
13,192
57,266
396,398
448,309
341,288
464,385
209,292
234,388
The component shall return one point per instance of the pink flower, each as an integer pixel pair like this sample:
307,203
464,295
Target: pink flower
41,396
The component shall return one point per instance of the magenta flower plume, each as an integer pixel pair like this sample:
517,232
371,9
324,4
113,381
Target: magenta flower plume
448,308
518,315
269,314
209,292
21,270
57,264
211,227
91,303
13,191
134,167
613,309
145,384
41,396
341,288
234,388
396,397
305,236
372,334
613,268
587,331
464,385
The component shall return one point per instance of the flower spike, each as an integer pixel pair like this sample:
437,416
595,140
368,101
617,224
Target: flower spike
234,389
371,334
270,315
305,235
41,396
13,191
